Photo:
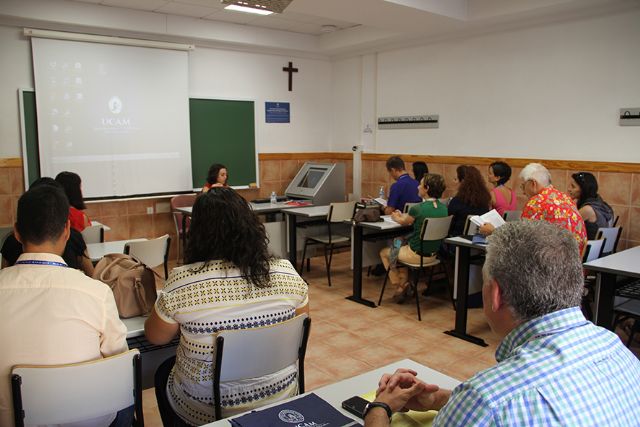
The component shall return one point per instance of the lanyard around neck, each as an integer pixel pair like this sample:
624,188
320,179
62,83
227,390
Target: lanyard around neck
39,262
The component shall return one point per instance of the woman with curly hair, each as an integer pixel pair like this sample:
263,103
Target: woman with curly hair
472,198
230,282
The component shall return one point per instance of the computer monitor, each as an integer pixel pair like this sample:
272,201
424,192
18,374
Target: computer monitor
321,183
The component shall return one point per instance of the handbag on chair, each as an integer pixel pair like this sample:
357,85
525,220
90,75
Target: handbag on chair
133,283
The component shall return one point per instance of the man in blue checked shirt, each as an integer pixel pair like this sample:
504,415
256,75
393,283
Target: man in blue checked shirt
554,367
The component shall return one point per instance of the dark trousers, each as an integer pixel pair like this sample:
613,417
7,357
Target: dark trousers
168,416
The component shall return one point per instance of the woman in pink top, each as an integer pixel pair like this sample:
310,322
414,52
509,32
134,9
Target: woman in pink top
503,198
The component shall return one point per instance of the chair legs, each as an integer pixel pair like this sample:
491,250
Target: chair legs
328,257
384,285
414,284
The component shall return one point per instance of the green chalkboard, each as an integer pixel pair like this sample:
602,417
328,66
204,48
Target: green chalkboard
222,131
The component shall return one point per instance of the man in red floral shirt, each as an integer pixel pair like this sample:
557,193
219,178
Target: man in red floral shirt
548,204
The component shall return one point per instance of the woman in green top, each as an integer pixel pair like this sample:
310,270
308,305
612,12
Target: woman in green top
430,189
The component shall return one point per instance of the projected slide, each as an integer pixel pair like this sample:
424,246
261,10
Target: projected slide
116,115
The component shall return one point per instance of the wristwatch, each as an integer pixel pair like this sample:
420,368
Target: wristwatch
372,405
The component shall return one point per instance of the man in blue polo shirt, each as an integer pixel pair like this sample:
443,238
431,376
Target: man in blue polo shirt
404,190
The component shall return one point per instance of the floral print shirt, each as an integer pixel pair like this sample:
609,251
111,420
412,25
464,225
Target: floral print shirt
556,207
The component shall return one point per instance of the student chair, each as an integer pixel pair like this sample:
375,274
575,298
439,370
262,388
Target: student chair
511,216
181,201
469,227
93,234
77,392
4,233
273,348
408,206
338,214
612,237
592,251
152,252
432,229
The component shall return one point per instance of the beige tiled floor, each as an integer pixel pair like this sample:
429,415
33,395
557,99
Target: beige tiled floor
348,338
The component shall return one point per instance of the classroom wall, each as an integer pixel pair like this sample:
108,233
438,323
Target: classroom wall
551,91
213,73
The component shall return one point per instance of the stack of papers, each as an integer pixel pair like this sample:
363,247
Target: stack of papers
492,217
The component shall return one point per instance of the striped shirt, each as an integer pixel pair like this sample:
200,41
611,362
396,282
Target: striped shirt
558,369
208,299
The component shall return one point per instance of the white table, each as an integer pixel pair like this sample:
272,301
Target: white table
97,250
336,393
370,231
625,263
135,326
306,214
463,261
104,227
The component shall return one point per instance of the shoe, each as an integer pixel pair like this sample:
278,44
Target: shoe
378,270
403,293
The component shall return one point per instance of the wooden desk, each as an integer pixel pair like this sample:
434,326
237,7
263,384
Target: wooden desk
463,257
336,393
370,231
625,263
97,250
309,213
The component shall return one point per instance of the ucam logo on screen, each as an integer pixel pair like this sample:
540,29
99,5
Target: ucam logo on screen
115,122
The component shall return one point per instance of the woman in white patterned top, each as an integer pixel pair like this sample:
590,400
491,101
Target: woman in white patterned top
231,282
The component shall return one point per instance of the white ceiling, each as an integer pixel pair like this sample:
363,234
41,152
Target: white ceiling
213,10
362,25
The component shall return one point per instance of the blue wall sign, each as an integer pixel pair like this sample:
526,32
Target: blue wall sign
277,112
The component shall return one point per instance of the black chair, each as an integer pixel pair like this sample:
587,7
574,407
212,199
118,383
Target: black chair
338,214
627,306
167,414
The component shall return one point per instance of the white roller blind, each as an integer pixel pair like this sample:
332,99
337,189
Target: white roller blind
116,115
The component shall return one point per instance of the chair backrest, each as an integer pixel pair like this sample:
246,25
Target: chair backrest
435,228
511,216
593,250
611,236
77,392
341,211
469,227
4,233
93,234
273,348
181,201
152,252
408,206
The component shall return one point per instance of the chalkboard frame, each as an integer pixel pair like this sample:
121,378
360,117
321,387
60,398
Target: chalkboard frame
29,142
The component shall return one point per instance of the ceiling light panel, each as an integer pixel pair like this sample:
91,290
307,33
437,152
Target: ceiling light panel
276,6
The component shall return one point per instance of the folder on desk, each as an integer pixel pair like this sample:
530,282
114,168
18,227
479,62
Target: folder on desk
307,410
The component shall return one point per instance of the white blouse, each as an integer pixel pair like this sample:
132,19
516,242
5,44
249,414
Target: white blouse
207,299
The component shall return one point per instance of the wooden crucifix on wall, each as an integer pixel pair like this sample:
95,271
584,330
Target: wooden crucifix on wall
290,70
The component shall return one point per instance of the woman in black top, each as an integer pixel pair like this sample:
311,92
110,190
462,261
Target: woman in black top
595,212
472,198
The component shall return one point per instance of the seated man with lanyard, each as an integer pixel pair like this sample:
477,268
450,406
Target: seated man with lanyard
554,366
51,314
404,190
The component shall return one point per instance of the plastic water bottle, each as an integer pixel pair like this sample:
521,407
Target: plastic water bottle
381,192
274,198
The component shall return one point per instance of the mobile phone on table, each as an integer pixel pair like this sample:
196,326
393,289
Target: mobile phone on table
355,405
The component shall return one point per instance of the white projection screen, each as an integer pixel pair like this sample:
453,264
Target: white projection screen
118,116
